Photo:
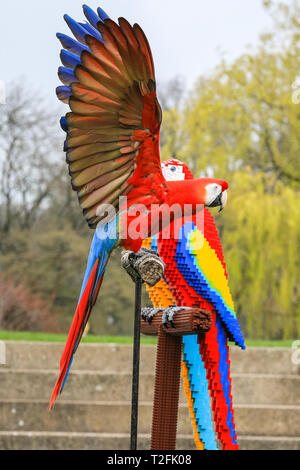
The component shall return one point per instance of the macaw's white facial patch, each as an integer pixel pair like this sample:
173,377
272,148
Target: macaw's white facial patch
213,190
173,172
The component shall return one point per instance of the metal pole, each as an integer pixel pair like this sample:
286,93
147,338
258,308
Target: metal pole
136,364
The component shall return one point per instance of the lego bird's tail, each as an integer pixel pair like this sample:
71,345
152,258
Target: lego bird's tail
98,258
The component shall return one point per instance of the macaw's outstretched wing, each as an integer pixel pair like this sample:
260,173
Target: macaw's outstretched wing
112,142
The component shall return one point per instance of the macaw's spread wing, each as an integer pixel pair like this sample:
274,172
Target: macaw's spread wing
112,142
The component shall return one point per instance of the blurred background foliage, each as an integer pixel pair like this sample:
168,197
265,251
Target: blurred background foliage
240,123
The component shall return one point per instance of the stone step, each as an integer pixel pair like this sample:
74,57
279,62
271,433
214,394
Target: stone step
80,416
118,358
252,389
20,440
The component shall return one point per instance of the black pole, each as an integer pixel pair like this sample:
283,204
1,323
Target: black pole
136,364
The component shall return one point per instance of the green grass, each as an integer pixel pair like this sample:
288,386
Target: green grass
30,336
265,343
51,337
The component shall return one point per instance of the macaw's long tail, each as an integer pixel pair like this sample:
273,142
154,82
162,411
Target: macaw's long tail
215,356
98,258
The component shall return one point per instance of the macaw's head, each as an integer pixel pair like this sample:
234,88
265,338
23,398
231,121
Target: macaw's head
215,190
216,193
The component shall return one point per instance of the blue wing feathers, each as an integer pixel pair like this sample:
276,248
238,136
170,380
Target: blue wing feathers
69,59
71,44
91,30
102,14
63,93
72,49
66,75
63,123
78,31
91,16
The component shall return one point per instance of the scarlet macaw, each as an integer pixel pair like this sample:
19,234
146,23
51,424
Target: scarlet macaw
195,275
112,147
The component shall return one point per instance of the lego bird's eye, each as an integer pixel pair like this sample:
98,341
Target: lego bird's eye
173,168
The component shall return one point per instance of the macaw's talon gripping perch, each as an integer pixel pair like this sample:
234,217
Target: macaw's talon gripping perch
186,321
167,317
145,264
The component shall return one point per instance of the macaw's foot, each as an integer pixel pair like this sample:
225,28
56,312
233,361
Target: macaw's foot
168,314
149,312
145,265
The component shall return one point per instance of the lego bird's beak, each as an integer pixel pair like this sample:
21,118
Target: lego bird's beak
223,200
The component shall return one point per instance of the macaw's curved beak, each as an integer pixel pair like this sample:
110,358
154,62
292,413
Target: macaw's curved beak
223,200
220,200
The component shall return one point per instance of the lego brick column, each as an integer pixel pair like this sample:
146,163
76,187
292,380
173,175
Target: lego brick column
166,391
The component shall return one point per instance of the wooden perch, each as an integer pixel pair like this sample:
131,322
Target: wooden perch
188,321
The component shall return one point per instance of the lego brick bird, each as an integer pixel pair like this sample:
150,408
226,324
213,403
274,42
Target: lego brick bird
112,148
195,275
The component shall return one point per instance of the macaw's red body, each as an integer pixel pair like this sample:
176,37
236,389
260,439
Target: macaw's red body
112,144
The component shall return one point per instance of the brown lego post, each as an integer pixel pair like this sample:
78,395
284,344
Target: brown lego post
167,374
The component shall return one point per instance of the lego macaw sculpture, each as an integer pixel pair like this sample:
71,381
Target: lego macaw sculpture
112,148
195,275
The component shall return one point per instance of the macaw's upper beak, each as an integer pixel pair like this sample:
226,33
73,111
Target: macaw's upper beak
220,200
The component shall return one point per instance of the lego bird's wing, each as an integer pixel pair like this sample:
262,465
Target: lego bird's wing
112,142
203,268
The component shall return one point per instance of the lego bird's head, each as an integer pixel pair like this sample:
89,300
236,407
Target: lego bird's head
216,190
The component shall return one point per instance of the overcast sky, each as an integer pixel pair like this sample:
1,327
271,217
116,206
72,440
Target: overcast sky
186,37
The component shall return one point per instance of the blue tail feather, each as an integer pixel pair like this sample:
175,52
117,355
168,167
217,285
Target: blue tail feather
200,393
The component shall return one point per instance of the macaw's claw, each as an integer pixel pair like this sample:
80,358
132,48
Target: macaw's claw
145,264
148,313
167,317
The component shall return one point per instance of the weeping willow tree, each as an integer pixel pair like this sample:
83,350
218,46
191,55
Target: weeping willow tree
242,123
261,240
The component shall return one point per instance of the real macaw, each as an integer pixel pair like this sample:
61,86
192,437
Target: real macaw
112,147
195,275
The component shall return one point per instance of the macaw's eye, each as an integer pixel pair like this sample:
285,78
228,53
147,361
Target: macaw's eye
173,168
